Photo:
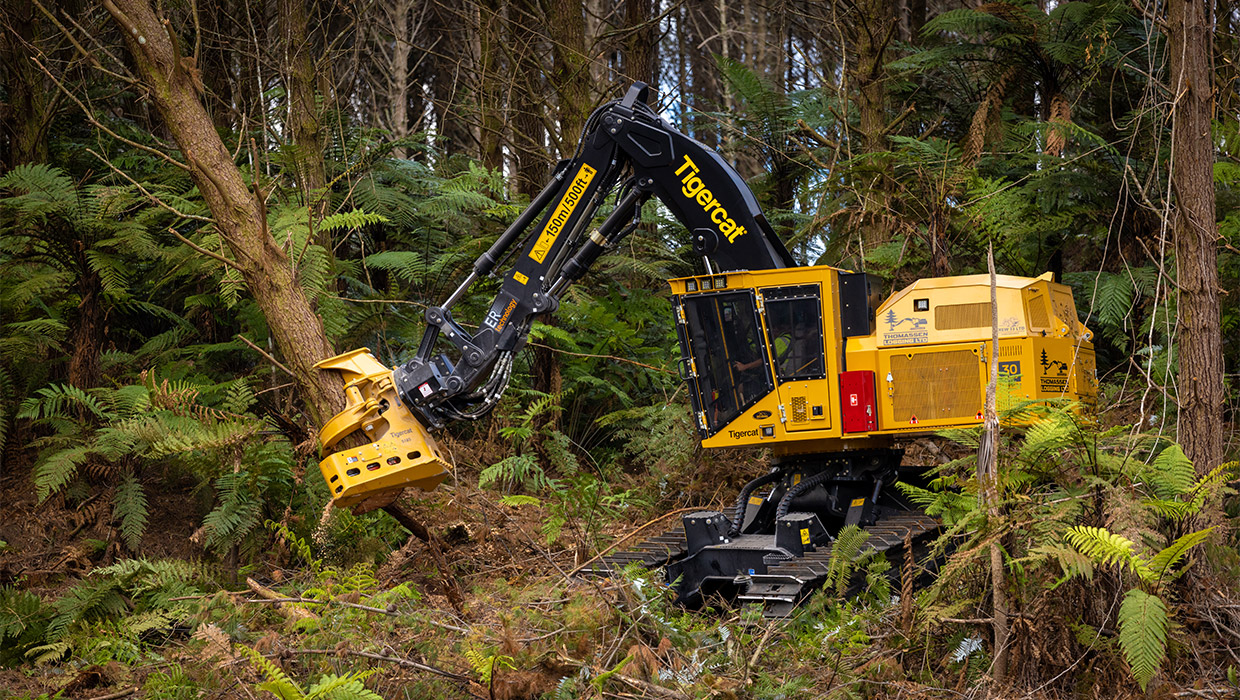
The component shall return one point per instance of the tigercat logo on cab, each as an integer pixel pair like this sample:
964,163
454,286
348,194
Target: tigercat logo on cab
696,190
562,211
738,434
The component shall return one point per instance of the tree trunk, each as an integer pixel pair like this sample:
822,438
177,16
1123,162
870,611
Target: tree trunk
88,332
570,71
1196,234
490,80
641,45
874,28
529,133
29,108
238,214
303,110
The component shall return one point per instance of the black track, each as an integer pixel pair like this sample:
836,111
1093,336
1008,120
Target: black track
787,580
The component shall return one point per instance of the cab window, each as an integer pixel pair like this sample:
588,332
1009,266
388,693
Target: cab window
794,332
725,339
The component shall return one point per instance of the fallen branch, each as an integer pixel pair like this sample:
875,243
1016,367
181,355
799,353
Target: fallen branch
277,599
406,663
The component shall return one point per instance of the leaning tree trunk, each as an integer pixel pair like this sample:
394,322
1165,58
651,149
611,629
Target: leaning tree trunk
1196,234
238,213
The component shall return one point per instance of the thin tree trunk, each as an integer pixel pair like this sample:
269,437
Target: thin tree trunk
528,129
988,478
303,110
1200,352
238,214
88,332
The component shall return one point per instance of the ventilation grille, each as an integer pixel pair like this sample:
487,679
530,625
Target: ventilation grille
952,316
1038,317
936,385
1010,350
799,414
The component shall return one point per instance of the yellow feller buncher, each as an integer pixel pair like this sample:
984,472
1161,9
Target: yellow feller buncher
807,361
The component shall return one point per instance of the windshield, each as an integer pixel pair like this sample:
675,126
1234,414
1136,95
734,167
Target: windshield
725,342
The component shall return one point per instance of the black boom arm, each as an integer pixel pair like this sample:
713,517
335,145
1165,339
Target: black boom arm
625,148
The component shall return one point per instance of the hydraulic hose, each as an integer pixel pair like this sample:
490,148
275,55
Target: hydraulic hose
743,499
786,502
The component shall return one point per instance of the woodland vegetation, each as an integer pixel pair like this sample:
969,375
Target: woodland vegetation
199,200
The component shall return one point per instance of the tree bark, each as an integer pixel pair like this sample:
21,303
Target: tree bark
29,109
238,214
1200,352
303,109
570,72
529,132
874,27
88,331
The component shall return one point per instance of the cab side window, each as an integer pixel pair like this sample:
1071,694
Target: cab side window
794,333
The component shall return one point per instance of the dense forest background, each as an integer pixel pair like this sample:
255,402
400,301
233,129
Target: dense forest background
199,200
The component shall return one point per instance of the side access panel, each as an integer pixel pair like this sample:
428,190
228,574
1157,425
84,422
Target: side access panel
858,409
930,387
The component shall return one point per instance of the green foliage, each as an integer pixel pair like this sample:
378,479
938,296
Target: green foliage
1143,633
107,615
327,687
23,623
845,553
131,509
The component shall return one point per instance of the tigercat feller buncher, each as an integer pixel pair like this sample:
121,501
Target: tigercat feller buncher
802,360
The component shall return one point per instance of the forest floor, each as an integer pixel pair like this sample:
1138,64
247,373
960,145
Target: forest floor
511,620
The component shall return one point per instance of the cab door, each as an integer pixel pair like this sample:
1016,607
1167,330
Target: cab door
794,330
721,338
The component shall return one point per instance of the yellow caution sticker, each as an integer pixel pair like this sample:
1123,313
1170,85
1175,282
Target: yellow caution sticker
804,535
857,503
755,500
520,277
796,479
563,210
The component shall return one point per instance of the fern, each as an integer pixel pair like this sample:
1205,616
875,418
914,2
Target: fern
57,469
354,219
845,554
1143,634
236,515
23,620
131,508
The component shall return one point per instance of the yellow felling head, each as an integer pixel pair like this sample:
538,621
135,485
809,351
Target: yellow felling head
400,452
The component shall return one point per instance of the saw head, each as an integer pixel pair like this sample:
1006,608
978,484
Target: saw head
398,452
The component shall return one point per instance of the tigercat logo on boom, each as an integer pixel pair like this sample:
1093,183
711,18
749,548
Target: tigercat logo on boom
696,190
562,211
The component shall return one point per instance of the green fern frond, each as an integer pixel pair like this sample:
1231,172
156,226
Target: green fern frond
57,469
130,508
1106,548
278,683
517,500
1143,634
1073,562
408,266
845,553
1162,563
345,220
346,687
